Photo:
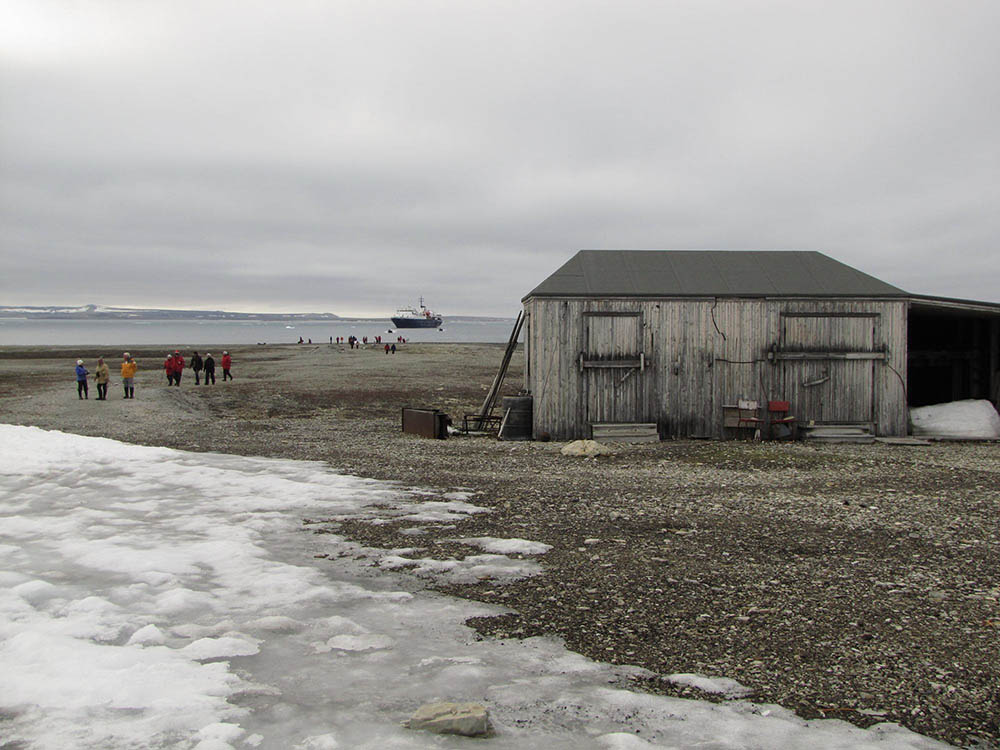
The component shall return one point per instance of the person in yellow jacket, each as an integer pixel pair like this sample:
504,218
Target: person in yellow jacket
101,376
128,375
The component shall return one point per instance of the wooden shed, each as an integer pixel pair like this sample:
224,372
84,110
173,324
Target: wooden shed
676,339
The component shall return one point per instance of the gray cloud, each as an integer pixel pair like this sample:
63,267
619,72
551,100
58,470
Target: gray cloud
350,156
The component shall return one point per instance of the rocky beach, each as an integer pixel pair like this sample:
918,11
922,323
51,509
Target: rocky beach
856,582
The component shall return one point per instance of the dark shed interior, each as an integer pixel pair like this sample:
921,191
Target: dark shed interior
953,351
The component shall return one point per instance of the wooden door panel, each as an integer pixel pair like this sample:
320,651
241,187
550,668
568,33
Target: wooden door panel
829,390
610,362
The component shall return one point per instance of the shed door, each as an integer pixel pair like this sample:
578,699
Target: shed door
612,364
828,366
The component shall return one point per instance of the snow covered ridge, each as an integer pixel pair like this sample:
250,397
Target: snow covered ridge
154,598
89,312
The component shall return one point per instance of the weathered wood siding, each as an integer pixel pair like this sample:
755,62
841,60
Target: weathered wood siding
701,354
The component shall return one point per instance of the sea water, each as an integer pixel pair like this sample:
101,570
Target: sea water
33,332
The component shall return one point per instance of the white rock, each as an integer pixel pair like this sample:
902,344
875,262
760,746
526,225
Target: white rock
586,448
466,719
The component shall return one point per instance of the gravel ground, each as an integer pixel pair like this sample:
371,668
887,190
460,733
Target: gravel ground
857,582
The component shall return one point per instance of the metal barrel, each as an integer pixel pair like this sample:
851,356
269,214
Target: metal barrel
516,418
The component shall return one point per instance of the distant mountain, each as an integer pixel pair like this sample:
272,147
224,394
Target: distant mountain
101,312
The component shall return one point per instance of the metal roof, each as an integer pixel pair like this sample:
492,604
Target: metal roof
927,303
709,273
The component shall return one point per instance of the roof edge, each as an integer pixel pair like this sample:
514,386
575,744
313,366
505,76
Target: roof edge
901,296
955,303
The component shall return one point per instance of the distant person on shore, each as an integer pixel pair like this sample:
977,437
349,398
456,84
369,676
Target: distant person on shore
81,380
196,365
393,348
227,363
128,375
386,348
300,340
168,367
101,377
209,368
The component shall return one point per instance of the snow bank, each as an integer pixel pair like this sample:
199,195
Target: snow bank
155,598
972,418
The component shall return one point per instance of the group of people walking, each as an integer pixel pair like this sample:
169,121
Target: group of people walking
356,343
174,367
102,376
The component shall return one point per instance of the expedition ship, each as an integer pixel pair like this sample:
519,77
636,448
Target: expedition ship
409,317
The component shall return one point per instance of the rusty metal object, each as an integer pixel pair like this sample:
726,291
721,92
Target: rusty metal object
429,423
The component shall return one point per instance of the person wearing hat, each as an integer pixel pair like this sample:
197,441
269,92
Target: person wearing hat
101,376
178,366
128,375
209,368
81,380
227,362
168,367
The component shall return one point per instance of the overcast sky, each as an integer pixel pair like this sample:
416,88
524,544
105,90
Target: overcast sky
351,156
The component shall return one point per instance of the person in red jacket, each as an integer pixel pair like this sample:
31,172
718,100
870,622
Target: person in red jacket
178,361
227,362
168,367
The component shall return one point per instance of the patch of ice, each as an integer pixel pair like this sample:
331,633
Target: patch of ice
466,570
36,592
319,742
218,736
715,685
276,624
339,625
148,636
438,511
217,648
367,642
507,546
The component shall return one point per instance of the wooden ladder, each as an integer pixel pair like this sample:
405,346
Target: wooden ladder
491,398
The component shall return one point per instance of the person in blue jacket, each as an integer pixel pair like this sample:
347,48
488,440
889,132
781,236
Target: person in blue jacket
81,380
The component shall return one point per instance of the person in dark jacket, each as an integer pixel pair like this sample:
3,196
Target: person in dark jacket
81,380
209,368
196,365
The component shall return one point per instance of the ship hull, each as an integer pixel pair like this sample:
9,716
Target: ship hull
416,322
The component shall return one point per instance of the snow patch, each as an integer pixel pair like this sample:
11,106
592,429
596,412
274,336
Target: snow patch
506,546
716,685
